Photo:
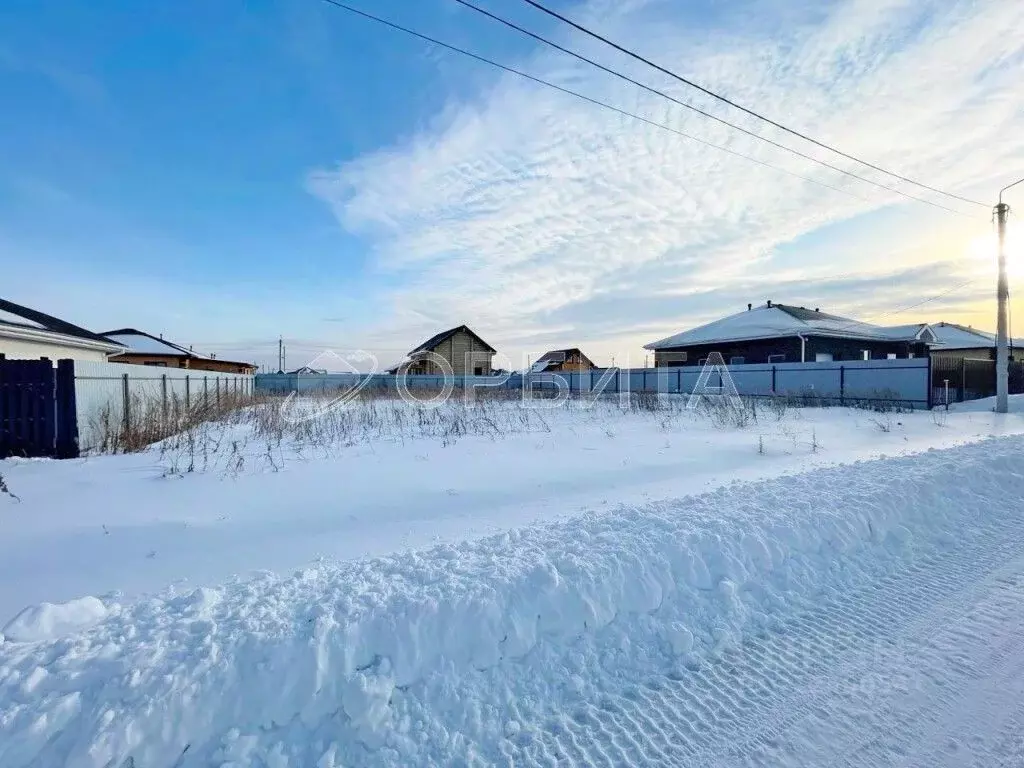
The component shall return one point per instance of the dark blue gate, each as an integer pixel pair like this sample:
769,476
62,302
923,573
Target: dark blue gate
37,409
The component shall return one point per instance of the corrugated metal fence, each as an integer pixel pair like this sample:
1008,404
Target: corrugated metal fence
107,392
904,380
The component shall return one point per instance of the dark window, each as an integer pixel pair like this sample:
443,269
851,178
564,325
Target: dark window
478,371
737,360
776,358
702,361
161,365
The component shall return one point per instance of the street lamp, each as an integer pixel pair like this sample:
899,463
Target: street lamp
1002,297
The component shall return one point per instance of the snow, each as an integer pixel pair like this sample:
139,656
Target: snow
138,343
612,586
769,322
47,621
120,527
953,336
861,615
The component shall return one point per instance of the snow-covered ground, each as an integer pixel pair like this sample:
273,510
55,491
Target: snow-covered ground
122,526
572,588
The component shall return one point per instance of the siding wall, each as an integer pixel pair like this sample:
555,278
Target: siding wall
759,350
19,349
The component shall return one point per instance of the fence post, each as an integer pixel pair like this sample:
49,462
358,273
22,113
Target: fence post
643,381
216,383
188,390
963,379
126,400
928,381
163,396
67,413
206,391
842,385
775,390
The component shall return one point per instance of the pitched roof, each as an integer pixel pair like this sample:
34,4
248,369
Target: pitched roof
433,341
775,320
142,343
556,356
954,336
16,315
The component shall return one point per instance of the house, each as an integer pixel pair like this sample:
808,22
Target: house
960,342
781,333
308,371
27,334
461,348
140,348
562,360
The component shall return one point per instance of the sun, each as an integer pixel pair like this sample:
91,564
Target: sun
983,251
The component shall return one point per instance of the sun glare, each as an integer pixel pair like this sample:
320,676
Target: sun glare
984,251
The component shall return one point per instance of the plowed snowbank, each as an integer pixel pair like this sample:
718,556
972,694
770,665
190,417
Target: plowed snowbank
455,653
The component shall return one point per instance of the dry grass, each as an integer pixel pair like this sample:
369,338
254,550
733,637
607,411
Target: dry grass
151,419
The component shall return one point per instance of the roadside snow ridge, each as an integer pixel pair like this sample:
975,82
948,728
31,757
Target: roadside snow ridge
762,624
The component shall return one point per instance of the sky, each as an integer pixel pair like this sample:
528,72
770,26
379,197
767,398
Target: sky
230,173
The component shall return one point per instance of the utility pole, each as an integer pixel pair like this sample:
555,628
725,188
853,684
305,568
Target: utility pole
1002,210
1002,295
280,354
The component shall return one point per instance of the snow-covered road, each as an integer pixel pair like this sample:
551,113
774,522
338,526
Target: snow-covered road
865,615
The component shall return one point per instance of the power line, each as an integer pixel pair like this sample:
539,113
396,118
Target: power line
734,126
740,107
626,113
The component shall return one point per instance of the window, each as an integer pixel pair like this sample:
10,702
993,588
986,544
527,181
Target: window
865,354
891,356
910,355
158,364
737,360
702,361
664,359
823,357
478,371
776,358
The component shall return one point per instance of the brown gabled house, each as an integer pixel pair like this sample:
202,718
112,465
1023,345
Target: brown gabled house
462,349
568,360
144,349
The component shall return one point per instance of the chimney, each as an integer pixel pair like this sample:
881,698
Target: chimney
769,303
749,307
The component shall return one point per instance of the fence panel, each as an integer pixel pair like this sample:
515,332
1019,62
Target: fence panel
28,413
905,380
109,395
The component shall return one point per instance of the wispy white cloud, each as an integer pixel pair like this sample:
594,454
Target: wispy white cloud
524,211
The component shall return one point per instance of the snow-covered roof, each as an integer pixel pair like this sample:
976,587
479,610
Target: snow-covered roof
772,321
954,336
22,321
542,365
145,344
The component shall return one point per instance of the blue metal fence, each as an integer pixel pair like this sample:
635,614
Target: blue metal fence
904,380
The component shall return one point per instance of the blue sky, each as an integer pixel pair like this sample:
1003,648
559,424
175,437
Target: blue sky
226,172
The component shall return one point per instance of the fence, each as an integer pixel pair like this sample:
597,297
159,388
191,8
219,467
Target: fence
955,380
115,392
905,380
37,409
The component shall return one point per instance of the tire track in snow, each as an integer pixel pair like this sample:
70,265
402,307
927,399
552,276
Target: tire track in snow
738,708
